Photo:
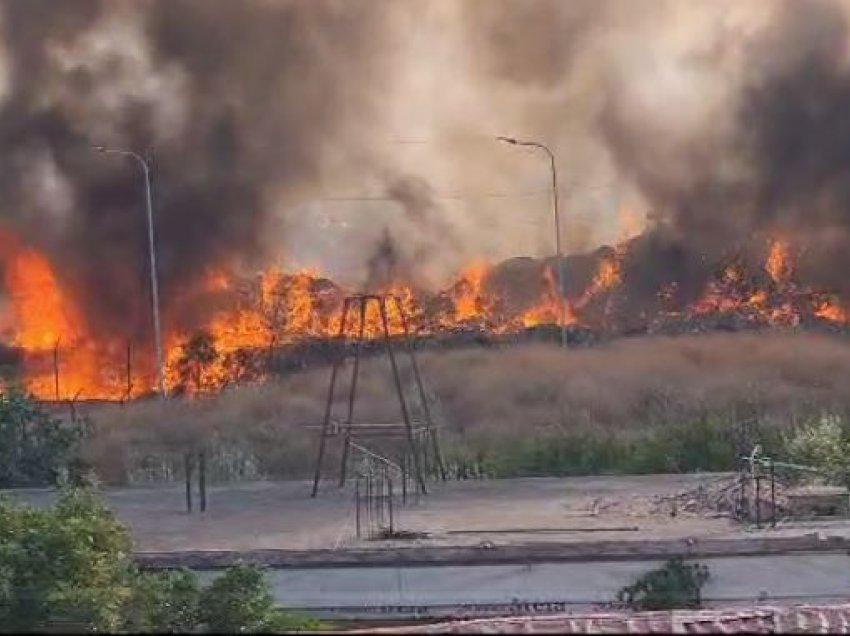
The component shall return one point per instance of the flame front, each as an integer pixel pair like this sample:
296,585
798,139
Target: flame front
64,359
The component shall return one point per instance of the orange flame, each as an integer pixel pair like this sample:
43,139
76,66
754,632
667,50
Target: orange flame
779,264
281,308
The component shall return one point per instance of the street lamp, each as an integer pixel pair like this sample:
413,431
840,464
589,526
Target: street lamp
160,370
516,142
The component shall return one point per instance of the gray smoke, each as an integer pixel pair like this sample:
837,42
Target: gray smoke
235,103
725,121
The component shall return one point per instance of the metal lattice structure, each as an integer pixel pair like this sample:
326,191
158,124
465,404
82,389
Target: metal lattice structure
420,438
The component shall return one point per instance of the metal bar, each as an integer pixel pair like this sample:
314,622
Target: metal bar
346,305
405,416
375,456
160,361
129,370
352,393
403,478
772,495
545,530
56,369
369,511
187,466
202,479
758,501
426,410
357,506
379,500
390,502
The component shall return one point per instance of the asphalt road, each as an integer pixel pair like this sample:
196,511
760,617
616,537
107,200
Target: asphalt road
450,590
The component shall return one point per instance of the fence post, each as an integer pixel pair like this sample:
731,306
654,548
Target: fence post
357,505
202,479
187,465
390,502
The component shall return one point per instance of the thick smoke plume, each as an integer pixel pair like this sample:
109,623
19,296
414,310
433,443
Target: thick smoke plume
725,123
234,103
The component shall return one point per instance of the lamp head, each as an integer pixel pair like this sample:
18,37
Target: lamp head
507,140
99,148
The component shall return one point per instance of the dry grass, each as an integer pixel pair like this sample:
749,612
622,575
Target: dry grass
640,404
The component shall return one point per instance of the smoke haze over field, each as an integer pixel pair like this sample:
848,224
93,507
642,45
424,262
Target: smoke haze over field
359,136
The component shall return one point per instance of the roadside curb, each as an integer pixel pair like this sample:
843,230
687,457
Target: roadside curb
493,553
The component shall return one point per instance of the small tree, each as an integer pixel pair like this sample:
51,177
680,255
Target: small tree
676,585
164,602
238,601
825,445
68,566
197,355
35,448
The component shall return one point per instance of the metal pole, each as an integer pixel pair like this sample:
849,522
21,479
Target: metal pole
355,372
157,328
202,479
558,252
129,370
357,506
338,360
56,369
187,465
414,449
429,422
772,494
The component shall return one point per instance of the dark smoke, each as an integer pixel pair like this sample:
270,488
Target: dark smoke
263,88
242,106
792,133
774,162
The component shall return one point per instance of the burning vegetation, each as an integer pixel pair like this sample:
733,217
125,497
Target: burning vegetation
252,321
726,122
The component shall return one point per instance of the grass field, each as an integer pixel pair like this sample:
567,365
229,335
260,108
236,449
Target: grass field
637,405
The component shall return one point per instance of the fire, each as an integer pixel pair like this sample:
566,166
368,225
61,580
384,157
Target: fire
43,315
832,311
470,299
279,308
779,264
553,308
63,359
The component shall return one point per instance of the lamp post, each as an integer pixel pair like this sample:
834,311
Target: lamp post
160,371
559,255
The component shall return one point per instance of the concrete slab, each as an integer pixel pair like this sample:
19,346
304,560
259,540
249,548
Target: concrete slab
282,515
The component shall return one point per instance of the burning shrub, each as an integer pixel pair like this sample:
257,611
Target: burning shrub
35,448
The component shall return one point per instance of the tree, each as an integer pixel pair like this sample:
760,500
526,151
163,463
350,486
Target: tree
67,566
197,355
238,601
70,567
36,448
165,602
676,585
825,445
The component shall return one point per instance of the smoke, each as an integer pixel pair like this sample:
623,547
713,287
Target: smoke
235,105
723,122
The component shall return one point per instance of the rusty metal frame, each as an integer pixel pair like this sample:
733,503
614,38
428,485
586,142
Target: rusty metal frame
361,302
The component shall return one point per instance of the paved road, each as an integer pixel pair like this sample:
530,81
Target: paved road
440,590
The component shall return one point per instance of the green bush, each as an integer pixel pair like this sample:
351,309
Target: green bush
238,601
70,568
164,602
823,444
35,448
676,585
